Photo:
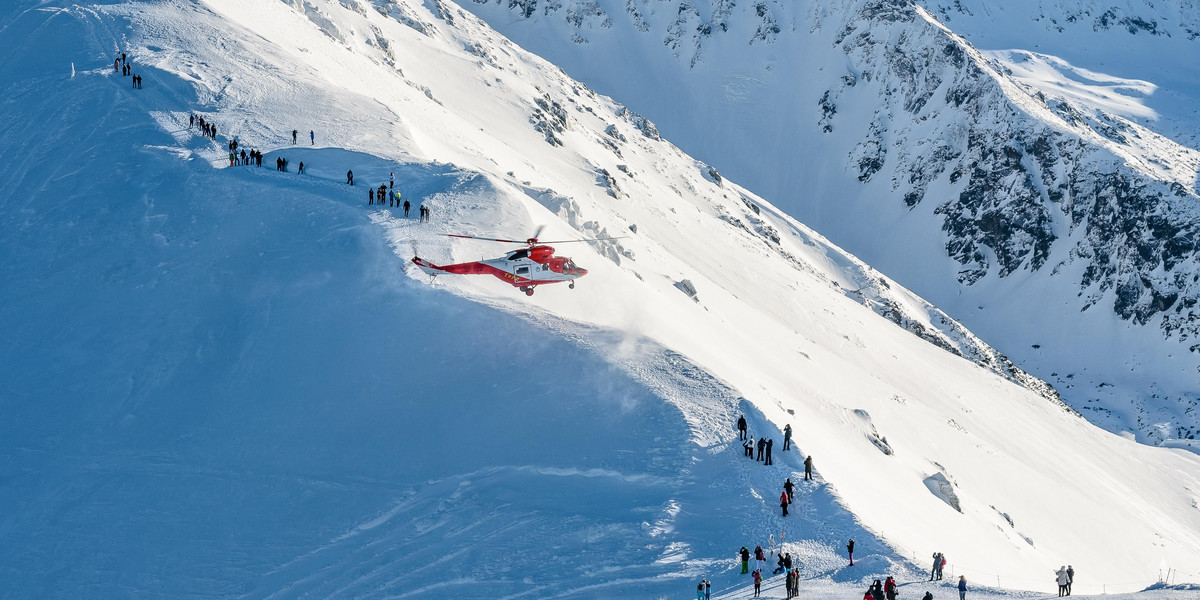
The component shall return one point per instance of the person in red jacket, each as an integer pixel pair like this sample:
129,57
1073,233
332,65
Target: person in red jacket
757,582
783,502
889,588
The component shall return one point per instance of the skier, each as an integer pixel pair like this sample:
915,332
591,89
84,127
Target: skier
350,177
741,425
850,551
312,138
808,467
788,486
962,587
889,588
745,554
768,460
371,196
294,132
787,436
757,582
762,445
783,502
1061,576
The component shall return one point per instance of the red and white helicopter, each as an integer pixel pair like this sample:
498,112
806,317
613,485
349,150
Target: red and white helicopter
523,268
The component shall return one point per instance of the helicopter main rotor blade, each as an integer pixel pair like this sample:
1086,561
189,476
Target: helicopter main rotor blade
605,239
486,239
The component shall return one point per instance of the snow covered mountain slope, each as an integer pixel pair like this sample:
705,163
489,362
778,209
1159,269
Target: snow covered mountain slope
230,381
1030,167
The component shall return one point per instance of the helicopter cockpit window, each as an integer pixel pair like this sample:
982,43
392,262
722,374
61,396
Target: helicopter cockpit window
519,254
570,264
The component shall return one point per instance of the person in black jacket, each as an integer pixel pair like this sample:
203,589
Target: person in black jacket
850,551
350,177
788,486
768,461
741,424
762,445
808,467
745,552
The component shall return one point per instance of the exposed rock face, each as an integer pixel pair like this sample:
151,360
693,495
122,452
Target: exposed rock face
1021,183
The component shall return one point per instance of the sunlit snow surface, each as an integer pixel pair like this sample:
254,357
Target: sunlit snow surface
229,382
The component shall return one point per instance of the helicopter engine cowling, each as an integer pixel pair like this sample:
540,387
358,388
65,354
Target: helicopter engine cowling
541,254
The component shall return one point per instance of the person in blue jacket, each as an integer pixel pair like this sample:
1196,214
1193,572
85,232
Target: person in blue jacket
962,587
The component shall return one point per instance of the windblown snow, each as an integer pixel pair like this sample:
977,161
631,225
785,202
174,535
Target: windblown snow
230,381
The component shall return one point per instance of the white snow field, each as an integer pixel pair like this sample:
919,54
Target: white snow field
231,382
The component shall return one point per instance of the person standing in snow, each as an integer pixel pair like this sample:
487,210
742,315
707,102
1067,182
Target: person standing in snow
762,445
889,588
757,582
301,169
370,196
937,562
380,195
741,425
312,138
760,558
294,132
962,587
941,565
707,589
1061,577
749,446
783,502
808,467
391,180
778,565
850,551
767,460
700,590
928,596
745,554
1070,578
787,436
350,177
877,590
787,560
788,486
